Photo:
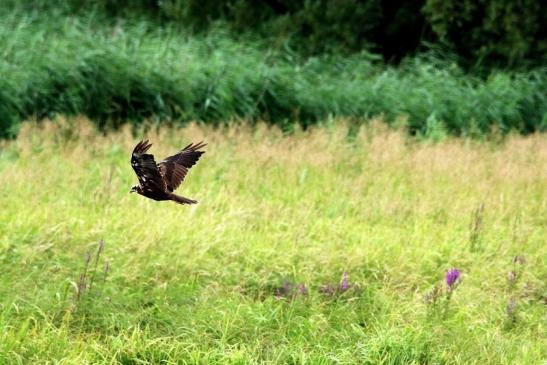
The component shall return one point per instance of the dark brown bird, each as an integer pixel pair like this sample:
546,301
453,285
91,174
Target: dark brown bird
158,180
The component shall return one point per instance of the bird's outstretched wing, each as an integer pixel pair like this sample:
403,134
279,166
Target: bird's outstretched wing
174,168
145,167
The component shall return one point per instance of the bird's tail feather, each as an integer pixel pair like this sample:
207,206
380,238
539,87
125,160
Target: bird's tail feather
181,200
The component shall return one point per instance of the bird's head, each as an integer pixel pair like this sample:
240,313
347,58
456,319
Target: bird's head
134,189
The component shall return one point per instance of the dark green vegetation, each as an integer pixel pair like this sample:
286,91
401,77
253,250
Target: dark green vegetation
491,32
115,64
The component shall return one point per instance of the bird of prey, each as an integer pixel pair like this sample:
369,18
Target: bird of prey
158,180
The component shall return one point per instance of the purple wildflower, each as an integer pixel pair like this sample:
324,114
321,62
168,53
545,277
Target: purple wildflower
451,277
344,285
290,290
285,290
287,286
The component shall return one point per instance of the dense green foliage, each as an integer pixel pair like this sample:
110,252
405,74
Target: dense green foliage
501,33
132,70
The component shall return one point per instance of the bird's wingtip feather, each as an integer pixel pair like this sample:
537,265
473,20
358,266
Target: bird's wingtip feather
142,147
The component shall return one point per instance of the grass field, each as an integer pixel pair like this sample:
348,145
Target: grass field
254,273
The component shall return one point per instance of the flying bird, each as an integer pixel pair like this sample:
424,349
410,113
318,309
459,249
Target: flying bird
158,180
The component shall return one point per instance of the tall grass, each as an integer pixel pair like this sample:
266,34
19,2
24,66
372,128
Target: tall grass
204,284
129,70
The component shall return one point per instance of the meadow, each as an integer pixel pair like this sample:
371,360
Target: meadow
323,246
